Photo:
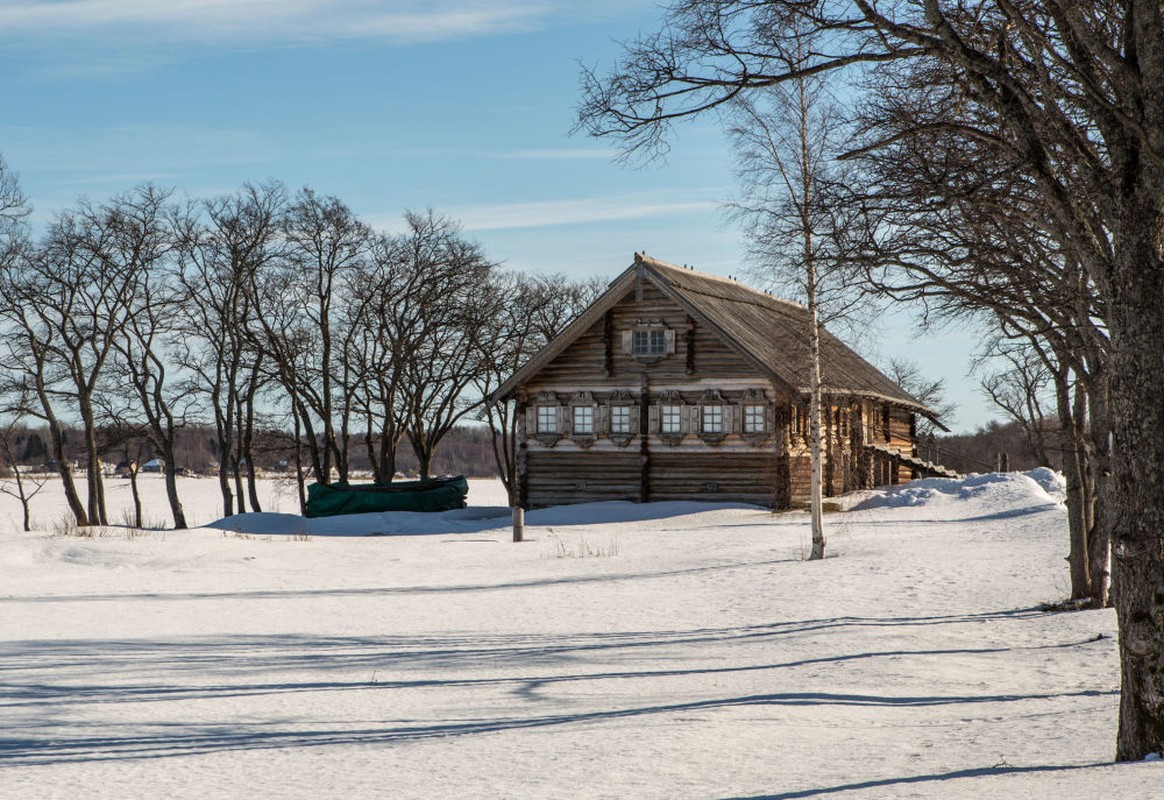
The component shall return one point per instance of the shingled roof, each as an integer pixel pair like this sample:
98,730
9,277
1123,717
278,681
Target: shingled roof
771,332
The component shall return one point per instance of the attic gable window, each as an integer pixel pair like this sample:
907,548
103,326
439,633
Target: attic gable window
648,341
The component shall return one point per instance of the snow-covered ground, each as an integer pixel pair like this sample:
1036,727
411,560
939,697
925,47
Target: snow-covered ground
622,651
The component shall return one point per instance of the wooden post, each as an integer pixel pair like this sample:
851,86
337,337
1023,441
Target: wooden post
518,523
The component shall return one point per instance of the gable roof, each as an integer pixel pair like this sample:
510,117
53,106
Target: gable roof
770,332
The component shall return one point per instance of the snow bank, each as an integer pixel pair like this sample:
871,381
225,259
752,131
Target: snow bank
994,492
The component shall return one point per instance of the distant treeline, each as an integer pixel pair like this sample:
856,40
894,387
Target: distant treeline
465,451
981,450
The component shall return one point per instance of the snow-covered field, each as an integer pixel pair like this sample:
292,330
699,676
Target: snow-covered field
658,651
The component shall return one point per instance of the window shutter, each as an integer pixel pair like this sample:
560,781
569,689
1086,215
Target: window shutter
689,419
602,419
770,419
531,421
669,342
653,417
565,424
628,342
729,418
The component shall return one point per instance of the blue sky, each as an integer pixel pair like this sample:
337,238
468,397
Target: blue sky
464,106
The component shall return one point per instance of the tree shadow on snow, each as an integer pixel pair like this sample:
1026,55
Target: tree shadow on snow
980,772
167,740
474,519
45,683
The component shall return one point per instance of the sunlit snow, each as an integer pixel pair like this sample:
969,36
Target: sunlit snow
671,650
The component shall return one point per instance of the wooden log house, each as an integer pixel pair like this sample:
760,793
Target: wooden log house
679,385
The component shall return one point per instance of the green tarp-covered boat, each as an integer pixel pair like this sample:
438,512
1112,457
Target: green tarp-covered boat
437,494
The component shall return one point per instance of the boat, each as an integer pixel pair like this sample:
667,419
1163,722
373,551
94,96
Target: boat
435,494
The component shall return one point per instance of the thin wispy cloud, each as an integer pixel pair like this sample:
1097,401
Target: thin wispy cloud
259,21
578,211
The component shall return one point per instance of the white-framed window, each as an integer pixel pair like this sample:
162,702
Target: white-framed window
713,418
649,342
547,419
671,418
583,420
620,420
754,418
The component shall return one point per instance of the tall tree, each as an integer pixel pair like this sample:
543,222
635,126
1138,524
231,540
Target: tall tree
787,139
440,328
146,329
82,282
303,326
233,239
381,294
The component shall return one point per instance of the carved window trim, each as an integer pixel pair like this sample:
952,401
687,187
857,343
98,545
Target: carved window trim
714,409
621,401
648,341
546,408
671,410
583,402
582,420
754,404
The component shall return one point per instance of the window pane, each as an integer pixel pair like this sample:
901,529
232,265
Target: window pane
649,342
620,419
754,419
583,419
672,416
713,419
547,419
658,342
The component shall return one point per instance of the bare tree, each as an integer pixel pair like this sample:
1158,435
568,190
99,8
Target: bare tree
233,239
381,296
787,139
439,331
23,486
928,391
1018,387
145,330
28,345
84,280
14,249
303,324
